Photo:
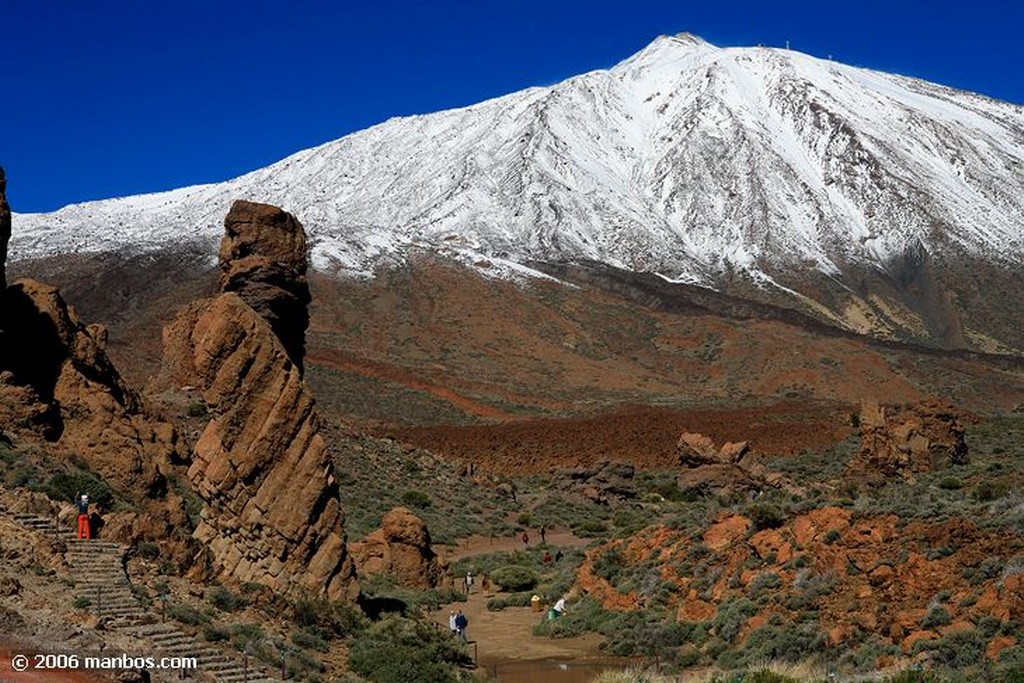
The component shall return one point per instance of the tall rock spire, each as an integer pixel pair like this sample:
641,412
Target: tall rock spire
271,513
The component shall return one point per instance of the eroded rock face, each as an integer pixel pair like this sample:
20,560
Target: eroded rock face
401,548
57,381
263,259
607,483
5,228
897,442
271,513
707,468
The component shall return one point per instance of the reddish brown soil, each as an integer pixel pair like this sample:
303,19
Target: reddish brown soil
644,436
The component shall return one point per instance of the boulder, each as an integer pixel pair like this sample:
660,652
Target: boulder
708,469
606,483
401,548
897,442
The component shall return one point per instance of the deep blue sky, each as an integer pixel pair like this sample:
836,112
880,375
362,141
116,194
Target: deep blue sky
103,98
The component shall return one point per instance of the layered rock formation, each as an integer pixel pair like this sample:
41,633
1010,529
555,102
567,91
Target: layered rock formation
708,468
271,513
401,548
897,442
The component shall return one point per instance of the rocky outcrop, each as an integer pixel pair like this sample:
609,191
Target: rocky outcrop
271,513
897,442
57,381
709,469
401,548
5,228
263,260
858,576
606,483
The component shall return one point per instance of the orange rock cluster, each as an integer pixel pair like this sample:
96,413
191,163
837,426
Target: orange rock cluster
875,576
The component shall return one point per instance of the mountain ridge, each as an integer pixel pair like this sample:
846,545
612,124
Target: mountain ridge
757,171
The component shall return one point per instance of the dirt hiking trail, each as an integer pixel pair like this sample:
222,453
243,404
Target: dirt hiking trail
507,635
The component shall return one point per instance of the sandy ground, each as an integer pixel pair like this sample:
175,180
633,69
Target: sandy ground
506,636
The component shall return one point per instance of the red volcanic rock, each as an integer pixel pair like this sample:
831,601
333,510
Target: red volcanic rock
401,547
898,442
726,532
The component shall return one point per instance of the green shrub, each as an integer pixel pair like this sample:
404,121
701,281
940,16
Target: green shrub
245,635
215,634
196,410
147,550
311,639
187,614
341,618
788,643
731,617
958,650
499,603
951,483
225,600
765,581
82,602
416,499
514,578
610,565
766,516
987,491
399,650
64,486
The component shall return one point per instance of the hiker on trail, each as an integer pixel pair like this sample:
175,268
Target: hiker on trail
526,539
451,624
543,536
559,556
82,503
559,607
469,582
461,622
547,557
484,584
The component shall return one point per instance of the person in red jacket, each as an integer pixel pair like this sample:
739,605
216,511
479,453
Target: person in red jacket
82,503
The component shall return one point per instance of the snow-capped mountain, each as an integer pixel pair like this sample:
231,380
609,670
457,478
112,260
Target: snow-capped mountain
689,160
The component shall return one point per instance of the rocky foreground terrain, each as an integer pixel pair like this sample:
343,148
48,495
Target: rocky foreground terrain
753,487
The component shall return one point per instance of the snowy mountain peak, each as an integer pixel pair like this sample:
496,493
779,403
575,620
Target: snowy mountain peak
685,159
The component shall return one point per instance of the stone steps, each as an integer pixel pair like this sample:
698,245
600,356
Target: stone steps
98,572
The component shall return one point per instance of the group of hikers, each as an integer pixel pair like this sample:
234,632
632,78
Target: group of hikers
458,622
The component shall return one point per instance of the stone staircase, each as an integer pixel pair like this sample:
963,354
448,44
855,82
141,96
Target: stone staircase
98,571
